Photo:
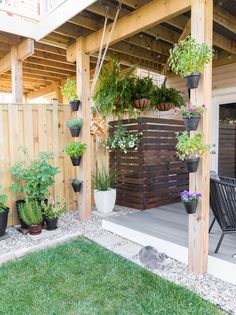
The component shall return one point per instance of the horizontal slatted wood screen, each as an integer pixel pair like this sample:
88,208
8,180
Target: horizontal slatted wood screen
153,175
39,128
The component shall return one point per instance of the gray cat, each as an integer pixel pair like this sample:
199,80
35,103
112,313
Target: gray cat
151,258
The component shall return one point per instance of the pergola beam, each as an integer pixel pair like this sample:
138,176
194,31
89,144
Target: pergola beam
225,19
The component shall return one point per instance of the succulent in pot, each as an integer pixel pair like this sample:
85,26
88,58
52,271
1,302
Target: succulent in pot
142,92
52,211
31,214
4,211
190,149
190,201
164,98
75,150
191,114
187,59
104,183
69,91
76,184
75,126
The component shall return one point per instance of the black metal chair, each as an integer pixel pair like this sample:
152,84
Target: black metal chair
223,205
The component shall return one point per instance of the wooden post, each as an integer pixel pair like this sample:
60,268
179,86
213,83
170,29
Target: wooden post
84,171
201,29
16,76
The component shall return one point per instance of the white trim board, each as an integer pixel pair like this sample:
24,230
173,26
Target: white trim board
219,268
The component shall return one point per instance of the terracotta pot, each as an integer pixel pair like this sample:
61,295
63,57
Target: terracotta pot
164,106
142,103
35,229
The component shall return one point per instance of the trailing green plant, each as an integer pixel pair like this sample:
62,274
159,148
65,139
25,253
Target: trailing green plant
34,177
143,88
53,210
69,90
122,140
75,123
114,89
188,56
3,201
103,180
166,95
75,149
31,212
75,181
190,147
190,110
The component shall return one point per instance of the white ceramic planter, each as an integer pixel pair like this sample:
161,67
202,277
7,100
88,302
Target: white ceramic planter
105,200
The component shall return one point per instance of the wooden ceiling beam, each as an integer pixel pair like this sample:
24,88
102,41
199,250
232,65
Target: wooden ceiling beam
87,22
51,64
72,31
45,69
225,19
52,57
43,74
50,49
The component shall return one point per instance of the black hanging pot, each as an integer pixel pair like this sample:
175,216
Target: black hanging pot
190,206
74,105
191,123
76,160
76,187
192,80
3,221
191,165
75,132
51,224
22,223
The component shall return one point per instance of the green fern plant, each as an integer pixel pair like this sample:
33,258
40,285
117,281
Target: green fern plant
3,201
31,212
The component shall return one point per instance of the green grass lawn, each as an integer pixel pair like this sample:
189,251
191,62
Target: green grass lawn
81,277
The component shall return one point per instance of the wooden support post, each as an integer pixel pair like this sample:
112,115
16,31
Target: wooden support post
201,29
17,76
84,171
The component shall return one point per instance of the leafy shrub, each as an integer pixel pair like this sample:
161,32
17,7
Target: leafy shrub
143,88
104,180
166,95
3,201
31,212
69,90
75,149
53,210
75,123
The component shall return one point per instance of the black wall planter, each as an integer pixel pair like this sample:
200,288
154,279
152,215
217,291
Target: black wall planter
191,165
190,206
76,187
75,132
76,160
191,123
74,105
3,221
22,223
51,224
192,80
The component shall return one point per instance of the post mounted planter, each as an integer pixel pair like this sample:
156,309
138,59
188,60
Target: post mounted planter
75,132
142,103
3,221
76,187
191,123
192,165
162,107
35,229
105,200
76,160
51,224
75,105
22,223
190,206
192,80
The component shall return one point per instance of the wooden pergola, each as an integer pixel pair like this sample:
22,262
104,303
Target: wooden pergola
143,35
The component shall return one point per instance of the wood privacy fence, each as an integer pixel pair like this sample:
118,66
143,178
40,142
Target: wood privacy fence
39,128
151,176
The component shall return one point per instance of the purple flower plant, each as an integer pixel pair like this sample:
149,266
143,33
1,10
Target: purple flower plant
187,196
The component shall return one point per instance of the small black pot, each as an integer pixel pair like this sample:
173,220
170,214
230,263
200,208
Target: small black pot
76,187
190,206
75,132
3,221
22,223
191,123
51,224
76,160
74,105
191,165
192,80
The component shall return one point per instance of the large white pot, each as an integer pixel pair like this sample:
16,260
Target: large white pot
105,200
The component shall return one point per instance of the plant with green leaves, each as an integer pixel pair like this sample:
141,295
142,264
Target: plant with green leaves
143,88
3,201
104,180
53,210
75,123
190,147
75,181
166,95
188,56
69,90
31,212
75,149
34,177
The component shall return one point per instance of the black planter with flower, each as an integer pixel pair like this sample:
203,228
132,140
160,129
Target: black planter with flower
76,184
190,201
192,165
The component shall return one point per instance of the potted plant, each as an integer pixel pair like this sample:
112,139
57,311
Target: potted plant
4,211
31,214
75,126
187,59
69,91
76,184
191,114
142,92
52,212
190,201
190,149
104,184
164,98
75,150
